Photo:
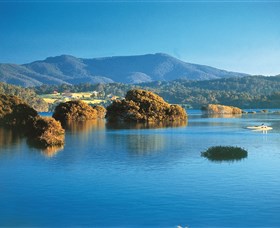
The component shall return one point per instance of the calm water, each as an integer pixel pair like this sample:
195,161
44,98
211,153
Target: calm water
107,177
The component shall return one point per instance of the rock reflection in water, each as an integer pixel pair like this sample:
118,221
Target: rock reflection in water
84,126
233,160
51,151
48,152
144,143
146,125
86,131
9,137
222,115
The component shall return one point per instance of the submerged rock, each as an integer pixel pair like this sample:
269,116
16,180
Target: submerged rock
45,132
220,109
74,110
144,106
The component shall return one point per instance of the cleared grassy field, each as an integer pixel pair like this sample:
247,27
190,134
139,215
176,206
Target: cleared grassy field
94,101
85,97
49,100
81,95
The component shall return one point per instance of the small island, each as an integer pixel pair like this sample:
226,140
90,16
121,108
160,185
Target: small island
144,106
77,110
46,132
40,131
225,153
15,113
211,109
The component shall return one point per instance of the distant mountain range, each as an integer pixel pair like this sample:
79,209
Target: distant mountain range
66,69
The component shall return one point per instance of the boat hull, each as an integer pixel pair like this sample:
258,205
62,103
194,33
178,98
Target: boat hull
259,128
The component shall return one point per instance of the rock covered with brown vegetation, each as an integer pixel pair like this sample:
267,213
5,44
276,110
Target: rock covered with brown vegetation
45,132
15,113
77,110
22,116
144,106
41,131
221,109
101,111
7,102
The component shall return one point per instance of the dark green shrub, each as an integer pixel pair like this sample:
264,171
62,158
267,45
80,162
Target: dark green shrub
225,153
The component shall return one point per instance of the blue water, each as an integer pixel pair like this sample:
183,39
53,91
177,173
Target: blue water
107,177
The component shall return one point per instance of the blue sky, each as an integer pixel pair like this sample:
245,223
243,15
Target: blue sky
232,35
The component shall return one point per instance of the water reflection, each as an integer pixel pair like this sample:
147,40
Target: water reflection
221,115
146,125
9,137
50,152
232,160
86,131
84,126
141,144
83,136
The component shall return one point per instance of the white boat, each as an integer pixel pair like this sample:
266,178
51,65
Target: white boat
260,128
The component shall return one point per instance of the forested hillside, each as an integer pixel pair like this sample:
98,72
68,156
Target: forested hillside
245,92
66,69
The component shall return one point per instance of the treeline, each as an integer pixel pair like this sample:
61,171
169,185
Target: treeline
245,92
27,95
118,89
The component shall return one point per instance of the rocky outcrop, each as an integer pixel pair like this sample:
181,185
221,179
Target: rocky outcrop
220,109
46,132
7,103
41,131
21,116
101,111
144,106
15,113
74,110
